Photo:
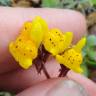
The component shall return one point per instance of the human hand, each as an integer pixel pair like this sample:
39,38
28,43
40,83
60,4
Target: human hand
12,77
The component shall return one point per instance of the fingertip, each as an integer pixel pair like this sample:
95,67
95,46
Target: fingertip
87,83
81,26
76,24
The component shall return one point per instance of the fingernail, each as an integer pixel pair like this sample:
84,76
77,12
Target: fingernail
67,88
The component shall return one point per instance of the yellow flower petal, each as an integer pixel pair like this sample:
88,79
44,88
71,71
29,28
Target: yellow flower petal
79,70
69,37
56,42
25,63
38,30
23,50
71,59
78,47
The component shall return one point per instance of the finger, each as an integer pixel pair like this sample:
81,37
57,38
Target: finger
88,84
41,88
12,19
55,87
18,80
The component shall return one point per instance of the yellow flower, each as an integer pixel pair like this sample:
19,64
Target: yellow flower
56,42
25,48
24,51
38,29
72,57
34,33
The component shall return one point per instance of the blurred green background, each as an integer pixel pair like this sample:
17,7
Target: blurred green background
88,8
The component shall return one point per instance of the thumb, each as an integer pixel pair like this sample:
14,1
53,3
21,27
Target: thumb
55,87
88,84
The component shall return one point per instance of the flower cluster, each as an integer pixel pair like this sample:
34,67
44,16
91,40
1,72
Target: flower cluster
25,49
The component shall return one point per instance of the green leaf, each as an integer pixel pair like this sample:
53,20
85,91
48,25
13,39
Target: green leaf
51,3
68,4
91,40
84,51
91,63
92,55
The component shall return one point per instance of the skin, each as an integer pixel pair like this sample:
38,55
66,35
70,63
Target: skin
15,79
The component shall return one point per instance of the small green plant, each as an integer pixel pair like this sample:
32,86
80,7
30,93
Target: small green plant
5,2
84,6
89,53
